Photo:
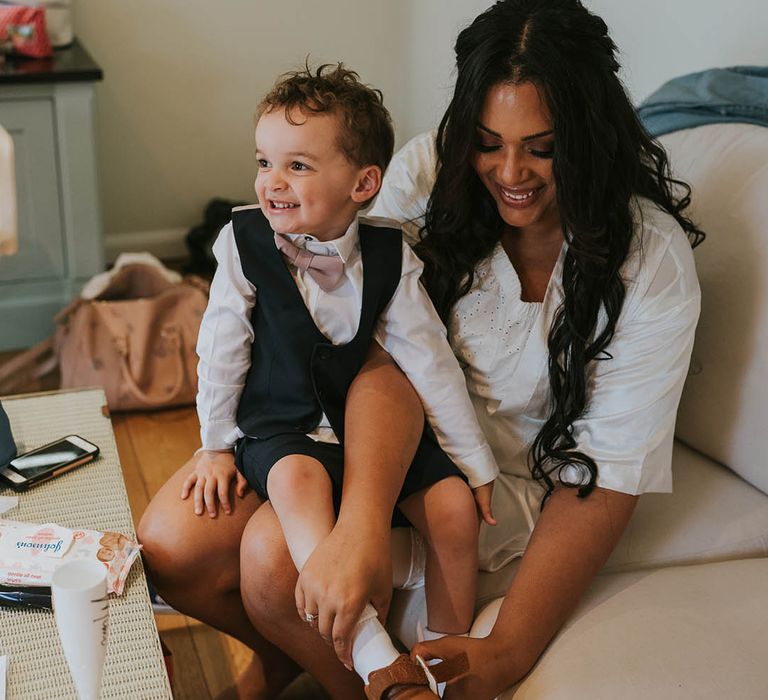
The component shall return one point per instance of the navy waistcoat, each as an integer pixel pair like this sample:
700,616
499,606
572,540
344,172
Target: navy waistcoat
296,373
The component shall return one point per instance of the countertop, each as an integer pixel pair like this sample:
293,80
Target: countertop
67,65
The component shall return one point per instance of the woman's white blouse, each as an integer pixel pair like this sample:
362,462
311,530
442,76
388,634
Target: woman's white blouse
501,342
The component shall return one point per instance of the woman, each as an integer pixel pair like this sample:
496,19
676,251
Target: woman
556,253
551,220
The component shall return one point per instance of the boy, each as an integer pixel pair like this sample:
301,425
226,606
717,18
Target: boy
302,287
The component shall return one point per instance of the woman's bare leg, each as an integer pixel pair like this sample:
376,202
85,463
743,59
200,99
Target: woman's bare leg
268,579
193,561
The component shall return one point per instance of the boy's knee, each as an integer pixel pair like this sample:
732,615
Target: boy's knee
457,517
295,476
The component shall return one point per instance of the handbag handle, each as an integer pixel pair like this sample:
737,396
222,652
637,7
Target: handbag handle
169,333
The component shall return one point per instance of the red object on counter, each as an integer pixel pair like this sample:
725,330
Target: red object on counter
23,32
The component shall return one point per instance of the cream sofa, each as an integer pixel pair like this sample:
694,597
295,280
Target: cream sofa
681,608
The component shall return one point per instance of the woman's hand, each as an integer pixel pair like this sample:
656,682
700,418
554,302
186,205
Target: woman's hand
482,496
209,481
484,681
347,570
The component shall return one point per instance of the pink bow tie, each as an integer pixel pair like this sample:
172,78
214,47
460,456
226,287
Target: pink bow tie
326,270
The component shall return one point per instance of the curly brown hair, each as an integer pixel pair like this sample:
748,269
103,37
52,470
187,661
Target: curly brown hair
366,135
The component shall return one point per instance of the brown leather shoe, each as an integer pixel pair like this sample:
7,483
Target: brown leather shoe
421,682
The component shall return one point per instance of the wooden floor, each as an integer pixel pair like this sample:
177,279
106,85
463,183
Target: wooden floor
151,447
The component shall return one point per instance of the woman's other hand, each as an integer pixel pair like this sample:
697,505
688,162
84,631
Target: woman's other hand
482,496
482,681
209,481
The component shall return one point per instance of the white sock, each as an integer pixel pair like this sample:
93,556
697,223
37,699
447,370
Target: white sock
371,648
409,558
428,635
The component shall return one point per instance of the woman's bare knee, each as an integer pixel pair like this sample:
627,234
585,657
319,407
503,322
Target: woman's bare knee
182,549
267,573
165,549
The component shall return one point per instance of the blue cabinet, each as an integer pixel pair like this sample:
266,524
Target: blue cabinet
49,114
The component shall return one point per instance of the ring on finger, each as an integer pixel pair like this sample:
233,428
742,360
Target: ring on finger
310,617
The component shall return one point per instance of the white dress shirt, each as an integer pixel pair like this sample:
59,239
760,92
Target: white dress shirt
501,341
409,329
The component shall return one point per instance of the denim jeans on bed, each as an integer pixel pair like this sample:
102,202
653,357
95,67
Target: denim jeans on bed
736,94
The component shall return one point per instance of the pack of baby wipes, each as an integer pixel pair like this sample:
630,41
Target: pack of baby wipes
30,553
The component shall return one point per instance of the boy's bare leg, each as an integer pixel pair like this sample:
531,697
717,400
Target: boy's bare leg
445,514
301,496
193,562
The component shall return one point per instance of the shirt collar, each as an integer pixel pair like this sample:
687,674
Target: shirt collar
343,246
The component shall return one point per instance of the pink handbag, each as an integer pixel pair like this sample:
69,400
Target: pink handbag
136,339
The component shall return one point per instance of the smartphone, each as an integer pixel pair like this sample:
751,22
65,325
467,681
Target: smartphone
48,461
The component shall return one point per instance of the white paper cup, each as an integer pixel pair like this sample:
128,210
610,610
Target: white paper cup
81,609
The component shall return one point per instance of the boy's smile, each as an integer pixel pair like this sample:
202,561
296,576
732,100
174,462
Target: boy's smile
305,183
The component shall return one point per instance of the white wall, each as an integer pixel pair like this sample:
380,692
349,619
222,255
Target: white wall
182,78
660,39
431,33
657,39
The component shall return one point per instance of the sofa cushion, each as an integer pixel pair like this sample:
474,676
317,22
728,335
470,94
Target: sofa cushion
712,515
686,632
725,401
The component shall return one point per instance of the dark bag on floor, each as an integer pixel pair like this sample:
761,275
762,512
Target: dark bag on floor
200,238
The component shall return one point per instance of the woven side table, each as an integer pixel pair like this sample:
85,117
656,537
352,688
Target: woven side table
92,497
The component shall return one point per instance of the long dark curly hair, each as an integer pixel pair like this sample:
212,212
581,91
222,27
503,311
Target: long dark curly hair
603,159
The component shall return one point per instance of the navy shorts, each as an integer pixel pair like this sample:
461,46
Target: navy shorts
255,457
